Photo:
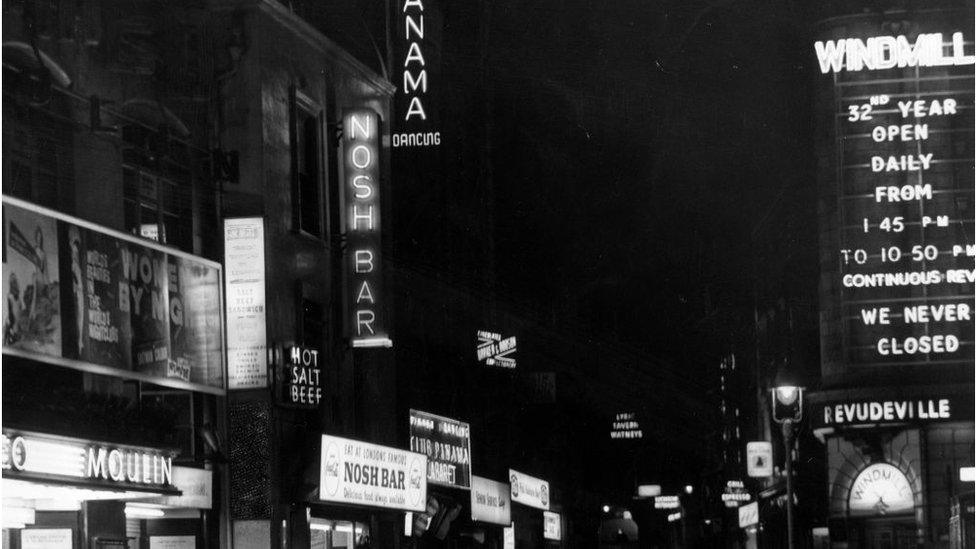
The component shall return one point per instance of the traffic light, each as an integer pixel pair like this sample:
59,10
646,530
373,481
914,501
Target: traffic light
787,403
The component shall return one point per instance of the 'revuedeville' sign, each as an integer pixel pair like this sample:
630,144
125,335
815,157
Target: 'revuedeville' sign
880,411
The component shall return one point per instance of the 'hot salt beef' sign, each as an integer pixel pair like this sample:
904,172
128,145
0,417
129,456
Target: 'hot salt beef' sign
447,444
367,474
300,377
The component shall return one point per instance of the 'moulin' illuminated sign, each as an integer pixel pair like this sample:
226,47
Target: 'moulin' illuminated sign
35,456
364,275
897,185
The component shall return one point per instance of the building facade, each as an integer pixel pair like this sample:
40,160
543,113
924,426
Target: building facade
113,377
895,178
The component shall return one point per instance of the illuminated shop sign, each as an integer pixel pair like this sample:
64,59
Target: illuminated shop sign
675,517
417,27
902,274
300,377
364,274
749,515
889,52
447,444
881,489
626,426
508,537
490,501
552,526
361,473
494,350
881,411
35,456
648,490
759,459
529,490
94,299
667,502
247,357
735,493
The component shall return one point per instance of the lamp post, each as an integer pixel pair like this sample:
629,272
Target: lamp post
787,410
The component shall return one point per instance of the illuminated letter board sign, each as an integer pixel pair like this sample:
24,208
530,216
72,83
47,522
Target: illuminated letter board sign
447,444
896,190
361,152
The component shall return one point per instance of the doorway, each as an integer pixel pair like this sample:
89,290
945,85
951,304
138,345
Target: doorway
889,534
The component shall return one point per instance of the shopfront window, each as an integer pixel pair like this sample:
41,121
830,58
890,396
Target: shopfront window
338,534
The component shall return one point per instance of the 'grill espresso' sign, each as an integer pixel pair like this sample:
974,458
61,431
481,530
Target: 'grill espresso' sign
361,473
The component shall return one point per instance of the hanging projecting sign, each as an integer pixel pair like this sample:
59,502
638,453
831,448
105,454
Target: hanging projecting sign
900,258
365,322
247,357
735,494
447,444
529,490
881,489
38,457
90,296
508,537
418,31
367,474
300,377
648,490
195,486
749,515
667,502
625,426
494,350
490,501
759,459
552,526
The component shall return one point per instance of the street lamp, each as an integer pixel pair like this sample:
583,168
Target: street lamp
787,410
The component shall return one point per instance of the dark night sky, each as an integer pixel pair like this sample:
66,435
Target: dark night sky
648,137
633,145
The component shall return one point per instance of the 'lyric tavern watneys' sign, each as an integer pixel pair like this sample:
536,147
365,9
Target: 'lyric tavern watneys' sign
361,196
39,456
367,474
